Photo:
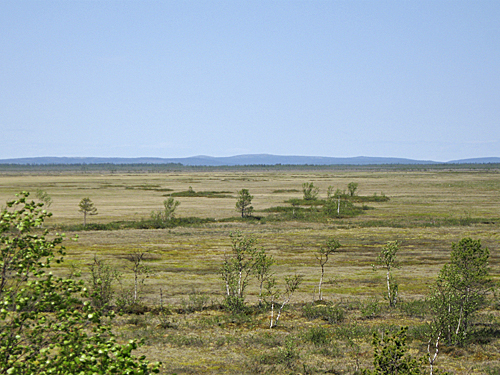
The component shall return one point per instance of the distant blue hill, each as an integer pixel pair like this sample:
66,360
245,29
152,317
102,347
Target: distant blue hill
253,159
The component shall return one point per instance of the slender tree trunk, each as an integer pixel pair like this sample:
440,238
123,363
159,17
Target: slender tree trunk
321,282
436,351
240,292
135,284
281,309
389,288
272,312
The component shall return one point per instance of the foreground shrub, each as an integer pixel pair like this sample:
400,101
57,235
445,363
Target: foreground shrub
45,327
390,356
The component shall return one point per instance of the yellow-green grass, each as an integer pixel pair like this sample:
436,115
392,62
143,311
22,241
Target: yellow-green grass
186,260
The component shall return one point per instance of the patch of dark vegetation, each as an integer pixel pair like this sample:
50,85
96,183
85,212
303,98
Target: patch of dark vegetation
373,198
139,224
315,212
148,187
329,312
429,222
246,219
204,194
279,191
306,202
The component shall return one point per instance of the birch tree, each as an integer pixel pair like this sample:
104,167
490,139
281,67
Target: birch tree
460,290
322,256
238,268
291,285
387,260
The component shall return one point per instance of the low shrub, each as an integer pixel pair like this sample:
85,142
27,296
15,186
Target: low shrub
370,309
329,312
318,336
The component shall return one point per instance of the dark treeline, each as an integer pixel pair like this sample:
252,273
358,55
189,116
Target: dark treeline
177,167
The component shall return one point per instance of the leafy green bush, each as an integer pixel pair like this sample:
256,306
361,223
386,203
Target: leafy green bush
47,324
460,290
391,356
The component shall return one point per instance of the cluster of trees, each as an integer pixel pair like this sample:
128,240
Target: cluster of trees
246,262
337,203
331,207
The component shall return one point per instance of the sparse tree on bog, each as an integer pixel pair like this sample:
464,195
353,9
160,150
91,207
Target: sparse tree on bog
460,290
87,208
291,285
352,187
322,256
310,191
162,217
169,206
102,277
387,259
243,204
140,270
263,264
238,268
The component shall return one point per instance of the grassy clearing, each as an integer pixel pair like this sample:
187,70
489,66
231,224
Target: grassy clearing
426,212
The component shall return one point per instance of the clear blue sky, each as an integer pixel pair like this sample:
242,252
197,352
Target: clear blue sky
413,79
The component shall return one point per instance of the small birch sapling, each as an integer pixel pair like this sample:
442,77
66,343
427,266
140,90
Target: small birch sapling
322,256
387,260
291,285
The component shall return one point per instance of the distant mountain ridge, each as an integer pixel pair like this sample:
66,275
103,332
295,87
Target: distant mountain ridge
251,159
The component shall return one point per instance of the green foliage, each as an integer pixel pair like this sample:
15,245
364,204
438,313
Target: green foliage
370,309
340,207
87,208
263,264
460,290
418,308
352,187
243,203
167,214
237,269
288,353
44,325
372,198
310,191
391,358
102,277
151,223
322,256
387,259
292,283
329,312
202,194
318,336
